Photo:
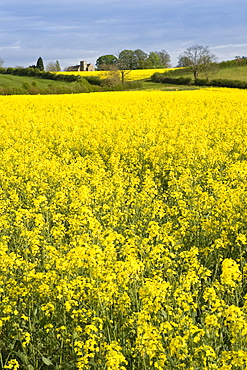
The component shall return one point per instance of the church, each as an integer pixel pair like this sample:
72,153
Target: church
83,66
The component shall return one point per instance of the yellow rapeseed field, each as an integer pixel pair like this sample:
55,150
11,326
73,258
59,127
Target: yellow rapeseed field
124,231
134,75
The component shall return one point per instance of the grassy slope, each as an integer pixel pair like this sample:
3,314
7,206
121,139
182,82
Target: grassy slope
24,84
233,73
17,81
10,84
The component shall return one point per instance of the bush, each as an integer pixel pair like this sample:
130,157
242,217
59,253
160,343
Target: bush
32,72
229,83
157,77
93,80
201,82
162,78
184,81
10,70
47,75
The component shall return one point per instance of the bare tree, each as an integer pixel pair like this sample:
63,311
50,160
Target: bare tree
165,58
53,66
1,62
126,63
198,58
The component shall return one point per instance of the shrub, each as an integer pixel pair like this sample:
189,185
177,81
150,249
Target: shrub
10,70
229,83
201,82
157,77
32,72
162,78
93,80
47,75
66,78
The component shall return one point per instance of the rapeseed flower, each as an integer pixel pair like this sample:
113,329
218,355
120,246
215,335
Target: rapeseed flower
123,230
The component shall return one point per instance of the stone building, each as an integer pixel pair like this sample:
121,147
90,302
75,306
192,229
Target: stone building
83,66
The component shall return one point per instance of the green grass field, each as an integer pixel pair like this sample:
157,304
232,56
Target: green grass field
232,73
11,84
149,85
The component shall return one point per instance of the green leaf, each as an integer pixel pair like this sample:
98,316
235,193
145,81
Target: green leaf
22,356
46,361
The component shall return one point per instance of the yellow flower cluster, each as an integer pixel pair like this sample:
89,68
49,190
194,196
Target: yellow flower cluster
123,231
134,75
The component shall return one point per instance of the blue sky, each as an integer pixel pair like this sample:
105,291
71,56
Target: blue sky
74,30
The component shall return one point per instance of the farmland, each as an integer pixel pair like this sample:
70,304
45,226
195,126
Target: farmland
123,231
136,74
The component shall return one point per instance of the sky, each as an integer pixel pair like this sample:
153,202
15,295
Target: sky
73,30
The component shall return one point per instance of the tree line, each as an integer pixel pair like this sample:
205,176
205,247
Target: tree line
196,58
135,59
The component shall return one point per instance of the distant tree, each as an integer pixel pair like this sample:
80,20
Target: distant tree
104,61
1,62
182,61
198,58
53,66
127,59
165,58
140,59
154,60
126,62
40,64
58,67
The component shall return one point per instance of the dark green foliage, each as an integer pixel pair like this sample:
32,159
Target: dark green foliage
233,63
64,77
93,80
201,82
47,75
105,60
32,72
229,83
157,77
40,64
162,78
9,70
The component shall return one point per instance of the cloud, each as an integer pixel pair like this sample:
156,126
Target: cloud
230,46
74,30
